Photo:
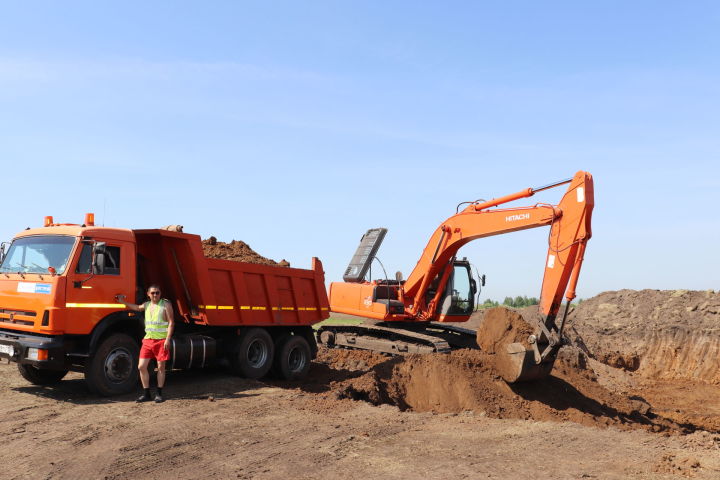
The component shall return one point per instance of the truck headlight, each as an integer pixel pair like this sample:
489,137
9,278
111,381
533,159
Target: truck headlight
37,354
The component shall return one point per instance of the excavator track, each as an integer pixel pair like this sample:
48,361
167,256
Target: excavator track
397,340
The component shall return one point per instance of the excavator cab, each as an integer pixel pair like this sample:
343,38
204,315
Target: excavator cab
458,298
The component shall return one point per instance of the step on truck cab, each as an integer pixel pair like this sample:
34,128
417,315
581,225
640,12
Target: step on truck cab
58,311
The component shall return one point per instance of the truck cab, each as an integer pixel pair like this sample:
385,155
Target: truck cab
57,289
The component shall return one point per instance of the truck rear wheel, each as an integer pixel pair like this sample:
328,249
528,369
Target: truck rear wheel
39,376
113,369
292,358
252,356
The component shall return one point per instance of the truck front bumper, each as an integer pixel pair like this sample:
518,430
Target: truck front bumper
16,347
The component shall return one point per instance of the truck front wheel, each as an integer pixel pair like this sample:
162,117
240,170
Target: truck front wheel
112,370
252,356
38,376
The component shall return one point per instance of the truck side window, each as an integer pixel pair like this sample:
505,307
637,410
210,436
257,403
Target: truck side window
112,260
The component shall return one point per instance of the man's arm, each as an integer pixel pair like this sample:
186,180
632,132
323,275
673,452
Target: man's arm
171,324
131,306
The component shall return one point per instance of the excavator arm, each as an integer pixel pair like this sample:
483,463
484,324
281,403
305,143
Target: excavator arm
569,233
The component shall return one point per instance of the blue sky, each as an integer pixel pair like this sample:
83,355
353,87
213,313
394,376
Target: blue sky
296,126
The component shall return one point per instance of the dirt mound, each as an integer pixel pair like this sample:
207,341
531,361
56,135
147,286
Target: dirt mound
634,360
237,251
661,334
466,380
623,309
351,360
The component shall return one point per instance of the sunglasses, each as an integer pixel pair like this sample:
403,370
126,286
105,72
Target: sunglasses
154,293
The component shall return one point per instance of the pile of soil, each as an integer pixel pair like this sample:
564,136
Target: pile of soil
661,334
466,380
580,389
350,360
237,251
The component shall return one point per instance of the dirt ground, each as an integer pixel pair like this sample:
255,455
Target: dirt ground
622,403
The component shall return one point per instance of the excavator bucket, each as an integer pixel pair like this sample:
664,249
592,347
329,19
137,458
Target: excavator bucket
518,364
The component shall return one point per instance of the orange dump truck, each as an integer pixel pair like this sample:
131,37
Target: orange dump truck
58,311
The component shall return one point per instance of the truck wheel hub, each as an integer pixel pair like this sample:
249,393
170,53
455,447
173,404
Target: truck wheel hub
296,360
257,354
118,365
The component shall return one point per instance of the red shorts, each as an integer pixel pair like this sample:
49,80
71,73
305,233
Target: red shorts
152,348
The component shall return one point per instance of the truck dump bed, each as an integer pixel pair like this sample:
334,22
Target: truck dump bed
218,292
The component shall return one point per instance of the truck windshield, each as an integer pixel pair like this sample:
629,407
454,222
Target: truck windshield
36,254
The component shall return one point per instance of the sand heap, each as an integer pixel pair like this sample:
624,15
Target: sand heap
237,251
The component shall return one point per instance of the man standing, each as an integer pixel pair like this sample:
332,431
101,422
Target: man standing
159,326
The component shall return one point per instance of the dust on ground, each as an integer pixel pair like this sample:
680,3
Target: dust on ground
367,415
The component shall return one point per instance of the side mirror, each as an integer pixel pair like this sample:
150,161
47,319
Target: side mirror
2,251
99,247
98,258
482,280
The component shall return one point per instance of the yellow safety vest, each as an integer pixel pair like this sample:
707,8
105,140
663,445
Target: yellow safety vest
156,325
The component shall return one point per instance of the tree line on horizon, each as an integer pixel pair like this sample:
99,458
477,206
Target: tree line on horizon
517,302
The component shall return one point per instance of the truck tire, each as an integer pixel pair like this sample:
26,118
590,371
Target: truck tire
39,376
252,356
292,358
112,370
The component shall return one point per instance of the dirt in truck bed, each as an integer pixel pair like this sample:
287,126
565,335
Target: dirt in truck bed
237,251
635,395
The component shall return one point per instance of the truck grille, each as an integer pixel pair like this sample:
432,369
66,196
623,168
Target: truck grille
8,315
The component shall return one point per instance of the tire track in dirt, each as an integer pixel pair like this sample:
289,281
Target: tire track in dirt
152,450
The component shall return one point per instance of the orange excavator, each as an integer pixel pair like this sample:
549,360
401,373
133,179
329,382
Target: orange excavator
412,316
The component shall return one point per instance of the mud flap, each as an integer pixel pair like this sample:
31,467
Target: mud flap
518,364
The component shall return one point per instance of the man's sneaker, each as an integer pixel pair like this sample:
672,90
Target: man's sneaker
158,398
143,398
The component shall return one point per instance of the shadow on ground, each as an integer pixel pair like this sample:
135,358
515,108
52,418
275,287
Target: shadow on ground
180,385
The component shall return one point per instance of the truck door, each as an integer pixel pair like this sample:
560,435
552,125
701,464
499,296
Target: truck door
91,296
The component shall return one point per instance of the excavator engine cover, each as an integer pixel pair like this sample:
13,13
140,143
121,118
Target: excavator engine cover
517,364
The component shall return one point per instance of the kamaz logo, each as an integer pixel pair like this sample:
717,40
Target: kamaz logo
515,218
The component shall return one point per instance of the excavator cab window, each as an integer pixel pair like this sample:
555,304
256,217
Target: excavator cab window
459,292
